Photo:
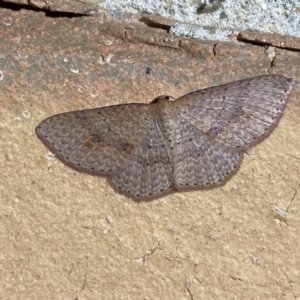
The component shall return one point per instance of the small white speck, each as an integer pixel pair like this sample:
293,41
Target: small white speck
17,119
255,260
271,52
263,6
109,58
26,114
282,213
79,88
108,43
94,93
105,60
50,156
66,59
1,75
75,71
141,260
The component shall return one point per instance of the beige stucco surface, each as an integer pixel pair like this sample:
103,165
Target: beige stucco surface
67,235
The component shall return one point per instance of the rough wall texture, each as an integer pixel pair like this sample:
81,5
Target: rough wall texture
66,235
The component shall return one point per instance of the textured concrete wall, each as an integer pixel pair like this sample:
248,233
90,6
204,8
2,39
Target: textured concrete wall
67,235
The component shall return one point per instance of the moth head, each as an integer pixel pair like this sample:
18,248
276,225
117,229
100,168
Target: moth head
161,98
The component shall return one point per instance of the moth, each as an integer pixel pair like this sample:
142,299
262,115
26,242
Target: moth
195,141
